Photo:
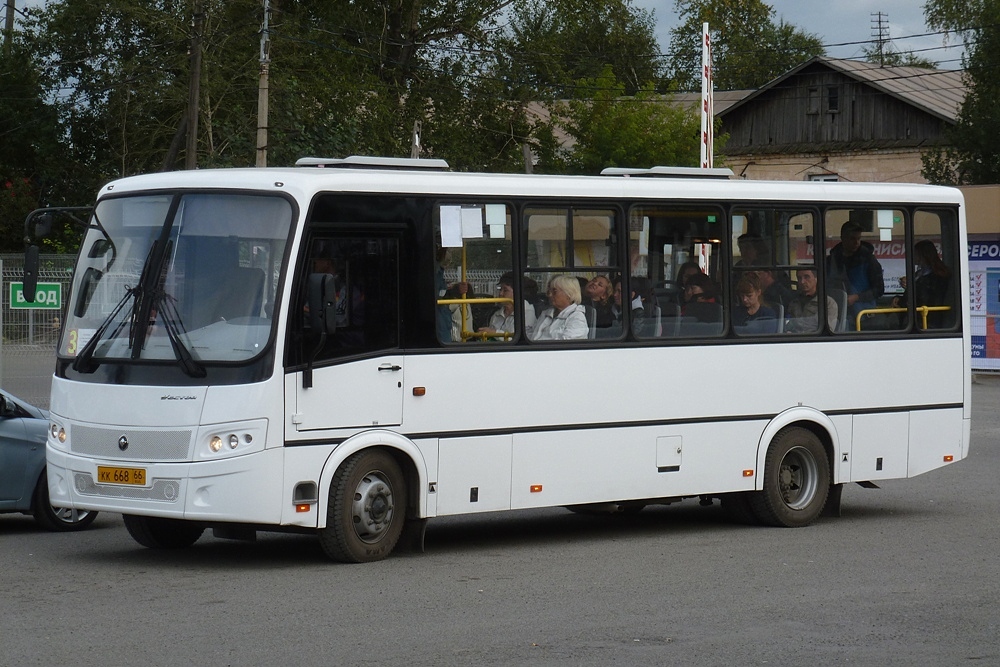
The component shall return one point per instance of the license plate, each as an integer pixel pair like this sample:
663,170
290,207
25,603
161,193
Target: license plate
109,475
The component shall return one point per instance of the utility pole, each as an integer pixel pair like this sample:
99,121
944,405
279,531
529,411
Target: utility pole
191,148
8,30
263,86
415,140
880,34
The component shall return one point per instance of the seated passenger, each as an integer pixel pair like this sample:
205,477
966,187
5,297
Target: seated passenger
749,291
776,290
803,311
684,275
701,299
931,277
502,320
565,319
598,294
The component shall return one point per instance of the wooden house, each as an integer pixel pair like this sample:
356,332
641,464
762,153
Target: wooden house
831,119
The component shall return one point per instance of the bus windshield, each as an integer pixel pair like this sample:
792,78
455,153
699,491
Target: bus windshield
185,277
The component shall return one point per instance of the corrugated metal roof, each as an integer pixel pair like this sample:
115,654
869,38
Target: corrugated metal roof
938,92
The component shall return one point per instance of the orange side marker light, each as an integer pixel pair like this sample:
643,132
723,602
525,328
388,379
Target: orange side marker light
536,488
748,473
948,458
419,391
302,507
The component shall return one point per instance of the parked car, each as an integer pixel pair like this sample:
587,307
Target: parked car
23,484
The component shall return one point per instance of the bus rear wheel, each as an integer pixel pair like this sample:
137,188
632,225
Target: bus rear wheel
367,508
157,533
796,480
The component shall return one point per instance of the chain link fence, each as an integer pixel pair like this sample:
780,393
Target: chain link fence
30,335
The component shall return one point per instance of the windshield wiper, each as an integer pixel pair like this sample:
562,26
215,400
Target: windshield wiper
167,310
84,362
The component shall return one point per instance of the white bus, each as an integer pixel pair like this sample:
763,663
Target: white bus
352,347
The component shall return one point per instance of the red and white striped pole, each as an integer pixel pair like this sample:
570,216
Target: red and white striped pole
707,104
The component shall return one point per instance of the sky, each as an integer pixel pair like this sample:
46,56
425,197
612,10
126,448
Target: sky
840,22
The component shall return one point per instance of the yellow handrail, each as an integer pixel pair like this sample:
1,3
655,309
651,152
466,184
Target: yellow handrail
923,310
466,333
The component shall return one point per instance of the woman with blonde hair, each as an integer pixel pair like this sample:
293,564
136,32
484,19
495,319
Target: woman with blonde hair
565,318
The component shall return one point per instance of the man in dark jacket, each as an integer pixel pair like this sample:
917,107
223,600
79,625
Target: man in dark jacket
852,267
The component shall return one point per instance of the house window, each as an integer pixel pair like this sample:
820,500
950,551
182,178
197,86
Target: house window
814,99
833,99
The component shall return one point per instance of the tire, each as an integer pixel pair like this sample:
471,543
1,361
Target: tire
156,533
367,508
59,519
796,480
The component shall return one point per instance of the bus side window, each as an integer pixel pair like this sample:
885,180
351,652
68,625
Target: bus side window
473,270
934,283
866,258
674,267
365,272
563,243
774,274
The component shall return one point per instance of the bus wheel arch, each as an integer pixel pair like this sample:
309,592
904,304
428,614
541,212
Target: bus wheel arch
796,479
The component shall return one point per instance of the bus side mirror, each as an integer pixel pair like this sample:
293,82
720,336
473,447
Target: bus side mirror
321,297
43,225
30,273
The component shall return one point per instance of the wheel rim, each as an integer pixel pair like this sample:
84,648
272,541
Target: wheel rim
68,515
372,508
798,478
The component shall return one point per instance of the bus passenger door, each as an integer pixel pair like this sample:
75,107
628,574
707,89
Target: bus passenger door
357,371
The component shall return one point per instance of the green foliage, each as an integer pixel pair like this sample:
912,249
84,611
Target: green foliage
612,130
748,47
32,171
551,44
890,58
973,156
105,84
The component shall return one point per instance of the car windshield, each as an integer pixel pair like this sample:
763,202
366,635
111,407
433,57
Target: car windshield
190,278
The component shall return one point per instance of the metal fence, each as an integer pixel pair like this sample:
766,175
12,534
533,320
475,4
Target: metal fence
28,345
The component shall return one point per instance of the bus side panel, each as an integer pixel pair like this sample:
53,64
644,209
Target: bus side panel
474,474
934,436
880,446
602,465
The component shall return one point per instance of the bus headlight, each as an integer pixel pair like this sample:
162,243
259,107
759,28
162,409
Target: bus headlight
58,433
233,439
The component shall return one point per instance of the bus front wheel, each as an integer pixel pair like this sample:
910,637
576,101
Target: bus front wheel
157,533
796,480
367,508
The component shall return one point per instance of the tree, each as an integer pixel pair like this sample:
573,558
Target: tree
892,58
551,44
612,130
346,77
32,171
973,154
748,47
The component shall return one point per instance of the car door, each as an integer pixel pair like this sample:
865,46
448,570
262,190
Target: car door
17,449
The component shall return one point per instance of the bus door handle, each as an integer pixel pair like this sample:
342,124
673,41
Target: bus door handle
389,367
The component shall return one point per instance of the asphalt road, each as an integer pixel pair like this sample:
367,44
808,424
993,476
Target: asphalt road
909,575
